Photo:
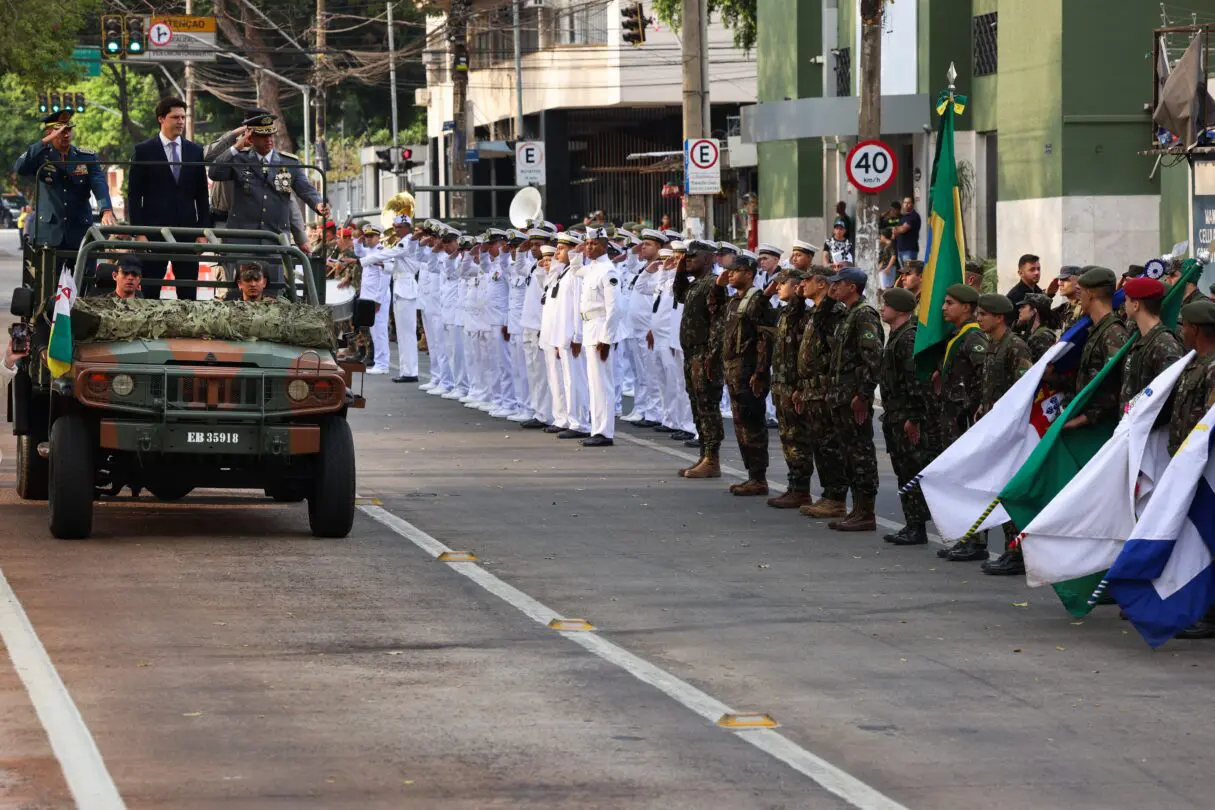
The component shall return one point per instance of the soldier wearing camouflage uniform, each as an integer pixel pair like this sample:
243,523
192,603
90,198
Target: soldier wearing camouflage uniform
1106,337
703,302
813,372
1157,347
1034,315
856,357
1067,313
905,410
958,382
795,436
1006,360
746,355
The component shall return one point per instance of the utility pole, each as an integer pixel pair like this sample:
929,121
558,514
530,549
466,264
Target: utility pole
392,80
319,134
518,69
189,85
869,127
695,104
457,26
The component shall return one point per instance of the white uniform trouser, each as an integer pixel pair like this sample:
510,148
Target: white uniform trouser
498,370
405,313
677,408
539,400
554,368
379,336
436,347
601,386
644,382
573,377
518,377
622,373
453,338
475,349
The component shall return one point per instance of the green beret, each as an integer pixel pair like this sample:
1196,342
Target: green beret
793,274
819,271
995,304
899,299
963,294
1200,313
1098,277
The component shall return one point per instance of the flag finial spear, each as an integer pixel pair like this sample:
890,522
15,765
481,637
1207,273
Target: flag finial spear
951,75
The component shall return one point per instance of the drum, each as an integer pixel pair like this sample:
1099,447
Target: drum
340,300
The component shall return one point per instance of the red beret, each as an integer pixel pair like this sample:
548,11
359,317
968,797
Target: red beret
1143,287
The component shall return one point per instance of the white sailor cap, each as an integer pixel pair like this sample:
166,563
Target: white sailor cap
569,238
402,219
547,250
804,247
495,233
539,233
701,246
679,246
665,253
542,224
746,254
615,249
633,239
672,234
726,247
598,233
656,236
516,236
766,249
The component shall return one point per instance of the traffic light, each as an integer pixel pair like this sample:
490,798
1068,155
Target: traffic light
56,106
68,102
136,37
111,36
80,102
44,104
383,160
633,22
406,162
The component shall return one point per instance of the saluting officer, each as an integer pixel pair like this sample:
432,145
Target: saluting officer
264,179
67,175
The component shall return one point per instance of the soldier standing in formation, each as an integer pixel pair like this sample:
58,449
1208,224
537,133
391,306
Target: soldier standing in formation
1157,347
703,300
1007,359
905,400
1106,337
794,434
1034,316
746,356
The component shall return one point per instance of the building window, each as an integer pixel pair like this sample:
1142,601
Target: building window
580,25
985,40
843,71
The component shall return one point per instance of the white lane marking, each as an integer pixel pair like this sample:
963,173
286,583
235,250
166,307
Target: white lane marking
91,785
742,476
829,777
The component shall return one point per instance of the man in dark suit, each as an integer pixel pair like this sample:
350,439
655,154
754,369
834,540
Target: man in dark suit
163,189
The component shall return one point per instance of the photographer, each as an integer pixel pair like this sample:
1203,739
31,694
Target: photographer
8,369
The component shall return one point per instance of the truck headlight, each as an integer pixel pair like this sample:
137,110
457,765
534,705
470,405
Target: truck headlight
298,390
122,385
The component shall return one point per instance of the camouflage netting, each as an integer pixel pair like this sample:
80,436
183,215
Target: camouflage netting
273,320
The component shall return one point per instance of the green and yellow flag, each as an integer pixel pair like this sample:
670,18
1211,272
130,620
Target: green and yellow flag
946,244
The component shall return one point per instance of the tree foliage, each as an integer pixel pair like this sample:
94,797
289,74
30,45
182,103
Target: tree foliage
738,15
37,37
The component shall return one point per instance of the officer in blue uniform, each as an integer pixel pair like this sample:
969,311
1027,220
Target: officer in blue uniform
67,175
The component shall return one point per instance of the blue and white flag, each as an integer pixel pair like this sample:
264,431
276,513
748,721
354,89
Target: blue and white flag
1163,579
1077,336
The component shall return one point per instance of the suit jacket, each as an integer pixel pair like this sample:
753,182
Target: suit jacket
261,194
155,198
64,186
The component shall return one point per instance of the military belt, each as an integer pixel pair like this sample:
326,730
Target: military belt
594,314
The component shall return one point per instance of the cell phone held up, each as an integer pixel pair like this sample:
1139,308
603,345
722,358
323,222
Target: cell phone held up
20,334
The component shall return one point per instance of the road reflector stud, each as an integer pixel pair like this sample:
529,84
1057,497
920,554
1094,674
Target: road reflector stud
368,502
457,556
747,721
575,625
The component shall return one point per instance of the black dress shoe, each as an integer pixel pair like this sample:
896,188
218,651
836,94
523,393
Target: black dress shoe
915,535
1009,564
647,423
598,441
968,552
692,443
664,429
533,424
572,434
1200,629
680,436
404,379
553,429
890,538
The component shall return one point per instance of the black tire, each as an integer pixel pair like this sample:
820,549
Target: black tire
169,491
32,470
72,479
331,497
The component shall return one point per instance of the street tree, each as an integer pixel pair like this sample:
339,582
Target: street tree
738,15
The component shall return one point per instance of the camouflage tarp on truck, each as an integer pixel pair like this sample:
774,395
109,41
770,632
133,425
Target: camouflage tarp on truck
273,320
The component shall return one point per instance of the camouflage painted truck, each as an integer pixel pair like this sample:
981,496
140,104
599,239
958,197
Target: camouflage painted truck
169,396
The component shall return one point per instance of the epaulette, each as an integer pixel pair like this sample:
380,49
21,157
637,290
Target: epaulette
288,155
86,152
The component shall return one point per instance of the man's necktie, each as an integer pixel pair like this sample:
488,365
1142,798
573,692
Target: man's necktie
174,161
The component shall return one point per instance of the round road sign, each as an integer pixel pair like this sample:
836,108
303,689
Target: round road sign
160,34
871,166
704,153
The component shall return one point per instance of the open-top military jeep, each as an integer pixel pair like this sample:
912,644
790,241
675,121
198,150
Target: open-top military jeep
207,401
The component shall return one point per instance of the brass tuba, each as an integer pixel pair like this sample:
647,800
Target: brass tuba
397,204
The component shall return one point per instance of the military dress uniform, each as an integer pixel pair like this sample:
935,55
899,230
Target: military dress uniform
795,437
905,398
856,357
602,324
700,339
64,184
746,354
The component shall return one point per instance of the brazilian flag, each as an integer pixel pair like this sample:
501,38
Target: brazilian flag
946,244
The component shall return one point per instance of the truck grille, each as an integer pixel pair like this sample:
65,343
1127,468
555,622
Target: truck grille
217,393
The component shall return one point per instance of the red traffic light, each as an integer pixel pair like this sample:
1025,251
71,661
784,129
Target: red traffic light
406,154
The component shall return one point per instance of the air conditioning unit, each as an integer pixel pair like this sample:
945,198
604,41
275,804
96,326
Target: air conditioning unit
421,97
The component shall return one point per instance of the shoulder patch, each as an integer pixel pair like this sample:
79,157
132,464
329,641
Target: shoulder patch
613,280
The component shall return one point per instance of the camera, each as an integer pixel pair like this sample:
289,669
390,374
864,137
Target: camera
20,334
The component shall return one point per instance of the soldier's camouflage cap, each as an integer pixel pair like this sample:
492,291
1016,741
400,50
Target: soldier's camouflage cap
995,303
1036,300
1201,313
963,294
1070,271
899,299
1096,277
911,264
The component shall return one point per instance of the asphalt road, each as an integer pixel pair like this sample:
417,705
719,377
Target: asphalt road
219,656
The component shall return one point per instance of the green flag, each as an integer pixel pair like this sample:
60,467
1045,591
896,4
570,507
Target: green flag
947,244
1062,453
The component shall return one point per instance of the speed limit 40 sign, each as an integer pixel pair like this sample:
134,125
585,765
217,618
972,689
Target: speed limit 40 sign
871,166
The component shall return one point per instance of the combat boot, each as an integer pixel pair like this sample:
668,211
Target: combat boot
862,518
709,467
894,537
825,508
1009,564
968,552
684,470
916,535
750,487
790,500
